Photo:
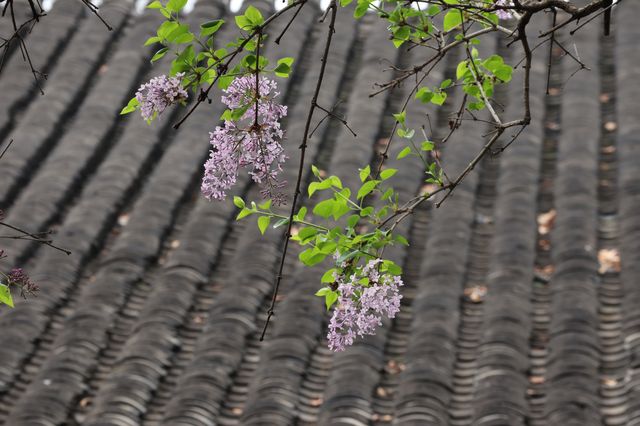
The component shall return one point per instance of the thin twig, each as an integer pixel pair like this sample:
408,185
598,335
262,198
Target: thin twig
333,7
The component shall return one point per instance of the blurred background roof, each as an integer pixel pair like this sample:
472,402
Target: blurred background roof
522,290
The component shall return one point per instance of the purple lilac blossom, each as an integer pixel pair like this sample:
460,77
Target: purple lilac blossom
360,307
159,93
247,142
504,14
19,278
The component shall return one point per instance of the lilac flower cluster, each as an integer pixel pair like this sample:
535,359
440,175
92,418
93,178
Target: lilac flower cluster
249,142
17,277
360,307
504,14
159,93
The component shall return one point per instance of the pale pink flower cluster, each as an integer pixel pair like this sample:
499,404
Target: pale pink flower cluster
159,93
247,142
361,307
504,14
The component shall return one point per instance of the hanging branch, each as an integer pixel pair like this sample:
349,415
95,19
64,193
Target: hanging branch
332,9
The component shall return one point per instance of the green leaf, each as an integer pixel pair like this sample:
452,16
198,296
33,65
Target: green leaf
386,174
424,95
239,202
335,181
387,194
400,117
330,299
244,213
461,69
328,277
131,106
159,54
301,213
178,33
210,27
340,208
402,240
311,257
452,19
243,23
439,98
151,40
176,5
406,133
254,16
265,205
263,223
504,73
493,62
324,208
345,3
406,151
283,69
400,35
318,186
5,295
427,146
446,83
361,9
306,234
391,267
315,171
366,211
166,28
366,188
364,173
323,291
155,5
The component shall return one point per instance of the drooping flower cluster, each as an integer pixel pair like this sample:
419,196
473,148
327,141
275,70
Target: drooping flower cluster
159,93
254,140
363,301
19,278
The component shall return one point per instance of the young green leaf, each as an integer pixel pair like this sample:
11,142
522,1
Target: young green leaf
254,16
283,69
239,202
400,117
405,151
263,223
366,188
210,27
328,277
244,213
323,291
131,106
387,173
330,299
176,5
159,54
364,173
452,19
5,295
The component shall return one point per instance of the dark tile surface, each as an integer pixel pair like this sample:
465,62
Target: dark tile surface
512,314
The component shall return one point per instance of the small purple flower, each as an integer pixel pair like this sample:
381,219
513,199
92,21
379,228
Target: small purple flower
159,93
360,307
248,142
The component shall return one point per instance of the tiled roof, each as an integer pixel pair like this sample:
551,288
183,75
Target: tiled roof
522,290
